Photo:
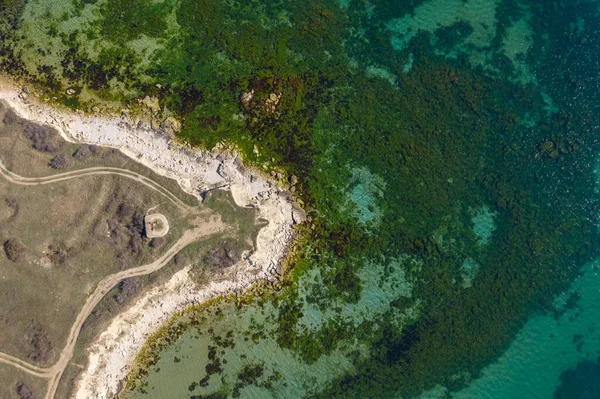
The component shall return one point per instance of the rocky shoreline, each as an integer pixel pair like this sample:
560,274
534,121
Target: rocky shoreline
197,171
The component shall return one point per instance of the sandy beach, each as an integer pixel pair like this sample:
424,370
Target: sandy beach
112,354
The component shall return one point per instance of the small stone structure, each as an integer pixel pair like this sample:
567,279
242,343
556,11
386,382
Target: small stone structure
156,225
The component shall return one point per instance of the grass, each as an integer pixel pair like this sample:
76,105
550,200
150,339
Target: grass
193,255
11,378
70,245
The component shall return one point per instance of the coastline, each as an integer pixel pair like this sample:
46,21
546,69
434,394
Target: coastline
113,352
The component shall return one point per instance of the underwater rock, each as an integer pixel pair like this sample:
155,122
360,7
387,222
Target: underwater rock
247,98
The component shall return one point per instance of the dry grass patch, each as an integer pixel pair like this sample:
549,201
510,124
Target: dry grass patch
58,240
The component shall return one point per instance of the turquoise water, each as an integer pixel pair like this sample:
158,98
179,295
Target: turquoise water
545,348
451,269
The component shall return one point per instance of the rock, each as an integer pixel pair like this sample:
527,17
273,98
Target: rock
293,180
272,102
95,109
278,176
70,92
151,103
292,189
171,125
247,98
154,124
221,172
563,149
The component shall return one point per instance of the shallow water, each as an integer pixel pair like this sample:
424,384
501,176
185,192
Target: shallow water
545,349
365,339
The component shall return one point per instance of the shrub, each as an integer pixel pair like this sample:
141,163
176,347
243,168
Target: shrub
157,242
82,152
39,136
10,117
57,254
179,258
135,244
58,162
12,204
122,260
136,227
23,391
125,211
15,250
41,345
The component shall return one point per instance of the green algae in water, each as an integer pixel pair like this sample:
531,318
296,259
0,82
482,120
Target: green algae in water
545,347
215,353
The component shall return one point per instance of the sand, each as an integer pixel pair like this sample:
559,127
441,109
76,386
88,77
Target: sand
112,354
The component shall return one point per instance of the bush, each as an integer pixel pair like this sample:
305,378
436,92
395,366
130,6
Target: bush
157,242
58,162
15,250
23,391
39,136
41,346
135,245
82,152
10,117
127,288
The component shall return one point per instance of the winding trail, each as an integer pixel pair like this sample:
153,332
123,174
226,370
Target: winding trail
55,372
36,181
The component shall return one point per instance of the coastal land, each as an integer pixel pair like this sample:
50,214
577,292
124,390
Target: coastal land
212,185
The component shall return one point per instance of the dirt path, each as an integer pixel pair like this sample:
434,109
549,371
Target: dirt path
106,285
23,365
55,372
193,170
35,181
